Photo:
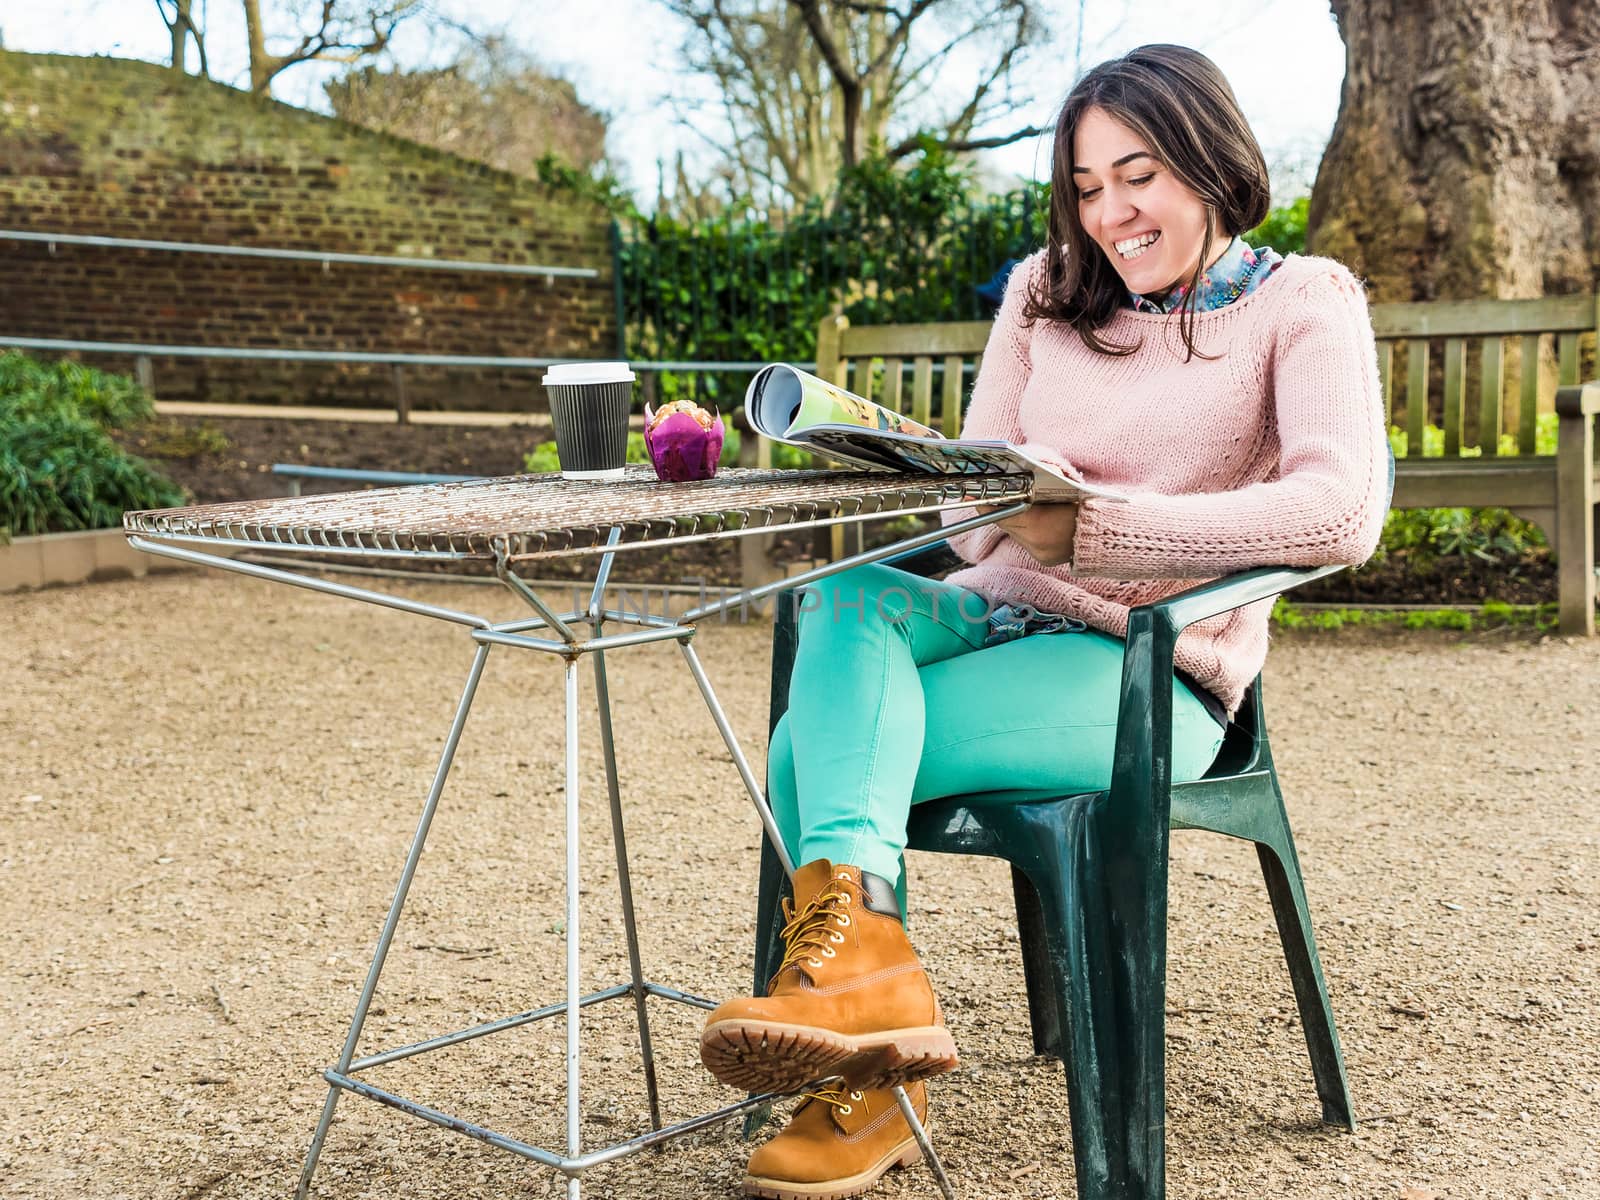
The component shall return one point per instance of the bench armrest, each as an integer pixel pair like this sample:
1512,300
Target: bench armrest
1579,400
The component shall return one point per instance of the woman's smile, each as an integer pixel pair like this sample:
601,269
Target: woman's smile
1131,248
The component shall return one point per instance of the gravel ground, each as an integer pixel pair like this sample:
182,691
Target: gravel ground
210,783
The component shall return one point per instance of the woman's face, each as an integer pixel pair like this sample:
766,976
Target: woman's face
1145,221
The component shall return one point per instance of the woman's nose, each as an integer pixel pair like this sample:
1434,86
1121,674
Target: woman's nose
1119,209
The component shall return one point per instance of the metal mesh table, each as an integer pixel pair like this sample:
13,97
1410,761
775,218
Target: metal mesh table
511,522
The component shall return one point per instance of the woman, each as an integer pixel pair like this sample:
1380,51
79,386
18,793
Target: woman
1233,395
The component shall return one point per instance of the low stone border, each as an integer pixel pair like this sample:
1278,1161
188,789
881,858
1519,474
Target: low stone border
51,559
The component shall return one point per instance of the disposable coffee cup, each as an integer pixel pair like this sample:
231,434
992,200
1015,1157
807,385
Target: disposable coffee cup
589,403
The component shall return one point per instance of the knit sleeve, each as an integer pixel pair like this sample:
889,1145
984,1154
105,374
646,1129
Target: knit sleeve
1327,504
997,395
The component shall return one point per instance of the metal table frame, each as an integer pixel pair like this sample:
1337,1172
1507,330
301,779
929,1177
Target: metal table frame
562,639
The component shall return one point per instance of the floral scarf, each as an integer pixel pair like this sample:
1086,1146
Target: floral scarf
1237,273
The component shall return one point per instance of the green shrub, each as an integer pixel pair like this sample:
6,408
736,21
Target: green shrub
174,439
1492,614
1492,535
1284,229
59,468
1544,440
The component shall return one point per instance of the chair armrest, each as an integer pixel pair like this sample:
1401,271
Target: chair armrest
1141,786
1234,591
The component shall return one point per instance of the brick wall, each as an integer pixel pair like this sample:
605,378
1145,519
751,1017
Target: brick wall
128,149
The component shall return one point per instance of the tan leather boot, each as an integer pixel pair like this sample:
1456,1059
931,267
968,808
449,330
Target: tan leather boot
838,1143
849,998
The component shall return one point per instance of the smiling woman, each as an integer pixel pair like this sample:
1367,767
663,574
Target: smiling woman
1232,397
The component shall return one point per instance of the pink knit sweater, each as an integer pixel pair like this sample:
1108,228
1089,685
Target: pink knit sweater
1269,454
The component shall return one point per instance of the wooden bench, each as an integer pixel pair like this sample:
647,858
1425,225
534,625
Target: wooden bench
1469,339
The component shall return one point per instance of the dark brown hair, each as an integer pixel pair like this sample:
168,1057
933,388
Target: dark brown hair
1178,102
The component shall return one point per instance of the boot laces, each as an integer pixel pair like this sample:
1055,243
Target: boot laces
840,1099
807,934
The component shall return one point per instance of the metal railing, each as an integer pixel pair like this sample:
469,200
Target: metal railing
325,257
144,353
295,474
359,356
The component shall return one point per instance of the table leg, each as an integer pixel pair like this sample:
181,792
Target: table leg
393,919
625,886
921,1135
757,795
574,1112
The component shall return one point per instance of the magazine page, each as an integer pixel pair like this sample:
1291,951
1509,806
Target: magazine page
784,402
952,456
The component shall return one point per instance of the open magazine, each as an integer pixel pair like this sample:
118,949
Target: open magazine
790,406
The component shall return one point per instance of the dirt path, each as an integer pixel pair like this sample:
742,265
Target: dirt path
209,785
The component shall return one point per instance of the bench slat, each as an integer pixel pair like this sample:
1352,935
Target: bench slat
1494,381
949,337
1416,394
1475,483
857,376
922,389
1529,415
1474,318
1568,358
892,375
950,399
1455,392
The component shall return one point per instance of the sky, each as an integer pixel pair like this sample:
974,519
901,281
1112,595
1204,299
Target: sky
1284,59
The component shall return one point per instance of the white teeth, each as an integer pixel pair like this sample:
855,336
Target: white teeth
1134,247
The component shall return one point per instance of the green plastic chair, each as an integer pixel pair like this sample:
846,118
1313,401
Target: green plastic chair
1089,874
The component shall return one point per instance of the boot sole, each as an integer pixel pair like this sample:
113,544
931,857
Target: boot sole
766,1056
906,1154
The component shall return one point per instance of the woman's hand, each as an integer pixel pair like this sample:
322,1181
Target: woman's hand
1045,531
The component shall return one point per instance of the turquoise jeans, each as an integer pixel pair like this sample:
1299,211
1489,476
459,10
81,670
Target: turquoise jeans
895,699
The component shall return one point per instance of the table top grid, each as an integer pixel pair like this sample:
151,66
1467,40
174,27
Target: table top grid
528,516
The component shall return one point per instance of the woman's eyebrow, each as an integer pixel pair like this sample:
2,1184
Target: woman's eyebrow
1121,162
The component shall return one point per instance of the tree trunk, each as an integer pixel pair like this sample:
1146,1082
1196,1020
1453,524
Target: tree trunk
261,70
180,35
1465,162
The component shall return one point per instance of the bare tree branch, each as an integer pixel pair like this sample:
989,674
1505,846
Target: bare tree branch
182,27
807,84
912,145
844,74
345,32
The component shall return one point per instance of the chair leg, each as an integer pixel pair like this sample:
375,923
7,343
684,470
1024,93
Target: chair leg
1105,1024
1044,997
1281,868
